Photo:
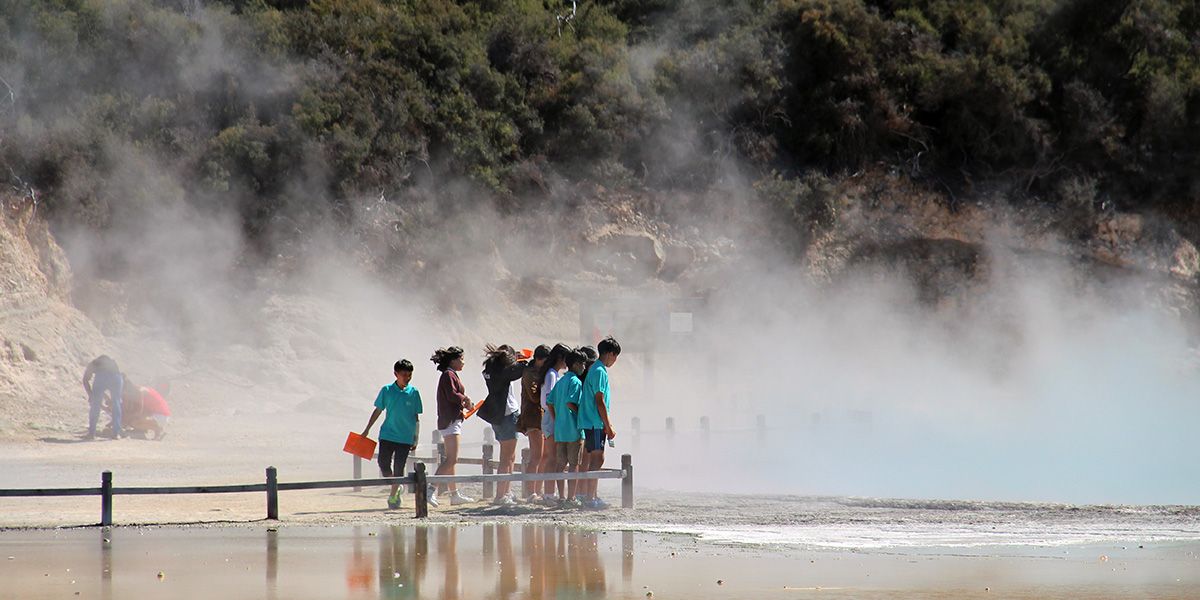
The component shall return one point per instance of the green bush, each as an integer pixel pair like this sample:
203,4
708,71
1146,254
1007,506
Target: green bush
250,100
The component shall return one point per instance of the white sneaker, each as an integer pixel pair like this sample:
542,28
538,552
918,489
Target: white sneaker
431,495
457,498
506,500
534,499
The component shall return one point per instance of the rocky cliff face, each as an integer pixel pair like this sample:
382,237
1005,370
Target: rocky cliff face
44,341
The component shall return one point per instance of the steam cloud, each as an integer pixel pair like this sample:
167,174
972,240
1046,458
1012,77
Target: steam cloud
1034,387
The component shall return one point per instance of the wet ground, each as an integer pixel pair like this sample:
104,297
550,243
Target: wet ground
551,561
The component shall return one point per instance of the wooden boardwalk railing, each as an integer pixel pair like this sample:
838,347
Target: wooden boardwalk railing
419,479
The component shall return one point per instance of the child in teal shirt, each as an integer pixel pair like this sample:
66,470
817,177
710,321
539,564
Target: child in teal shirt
398,434
593,417
563,404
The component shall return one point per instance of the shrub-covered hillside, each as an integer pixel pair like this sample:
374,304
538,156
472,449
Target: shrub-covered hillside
256,104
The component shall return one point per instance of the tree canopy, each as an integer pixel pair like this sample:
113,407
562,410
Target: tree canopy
256,103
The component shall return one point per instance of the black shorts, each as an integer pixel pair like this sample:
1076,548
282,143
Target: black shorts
392,458
593,440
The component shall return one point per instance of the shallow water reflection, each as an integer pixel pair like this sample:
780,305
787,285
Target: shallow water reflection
546,561
386,561
500,561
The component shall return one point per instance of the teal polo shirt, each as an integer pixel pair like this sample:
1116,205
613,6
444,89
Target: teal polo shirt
596,381
401,408
566,391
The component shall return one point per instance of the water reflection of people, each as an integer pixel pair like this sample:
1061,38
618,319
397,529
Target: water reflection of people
585,561
506,583
401,569
532,548
563,564
447,542
359,571
556,562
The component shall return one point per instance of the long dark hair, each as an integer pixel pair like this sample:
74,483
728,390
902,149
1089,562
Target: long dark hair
557,353
498,357
442,357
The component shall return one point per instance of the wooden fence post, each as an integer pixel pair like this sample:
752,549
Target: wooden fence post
488,486
422,493
627,481
670,427
637,430
357,471
272,494
705,429
106,498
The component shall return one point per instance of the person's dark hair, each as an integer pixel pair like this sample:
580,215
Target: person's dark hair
607,345
403,366
498,357
542,351
442,357
575,357
559,352
589,352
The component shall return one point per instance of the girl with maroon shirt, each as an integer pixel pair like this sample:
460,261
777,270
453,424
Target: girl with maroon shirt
452,403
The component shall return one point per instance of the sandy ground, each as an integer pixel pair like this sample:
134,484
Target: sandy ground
212,450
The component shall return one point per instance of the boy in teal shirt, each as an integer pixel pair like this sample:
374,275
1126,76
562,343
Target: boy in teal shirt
563,404
398,434
593,417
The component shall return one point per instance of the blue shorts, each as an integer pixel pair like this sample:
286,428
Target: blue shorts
593,440
506,428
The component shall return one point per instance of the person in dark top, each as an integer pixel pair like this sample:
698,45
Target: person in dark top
502,408
103,375
452,401
530,422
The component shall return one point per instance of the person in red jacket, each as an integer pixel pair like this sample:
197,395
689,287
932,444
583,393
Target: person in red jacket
452,404
144,409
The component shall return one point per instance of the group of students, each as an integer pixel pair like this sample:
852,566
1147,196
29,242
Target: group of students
558,397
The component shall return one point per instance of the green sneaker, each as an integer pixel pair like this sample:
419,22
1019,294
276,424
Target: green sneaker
394,502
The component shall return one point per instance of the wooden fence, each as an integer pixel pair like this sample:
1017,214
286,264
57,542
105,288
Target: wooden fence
419,479
486,460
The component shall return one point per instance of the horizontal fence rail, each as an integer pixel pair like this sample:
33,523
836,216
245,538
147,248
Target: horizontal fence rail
197,489
418,479
50,492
